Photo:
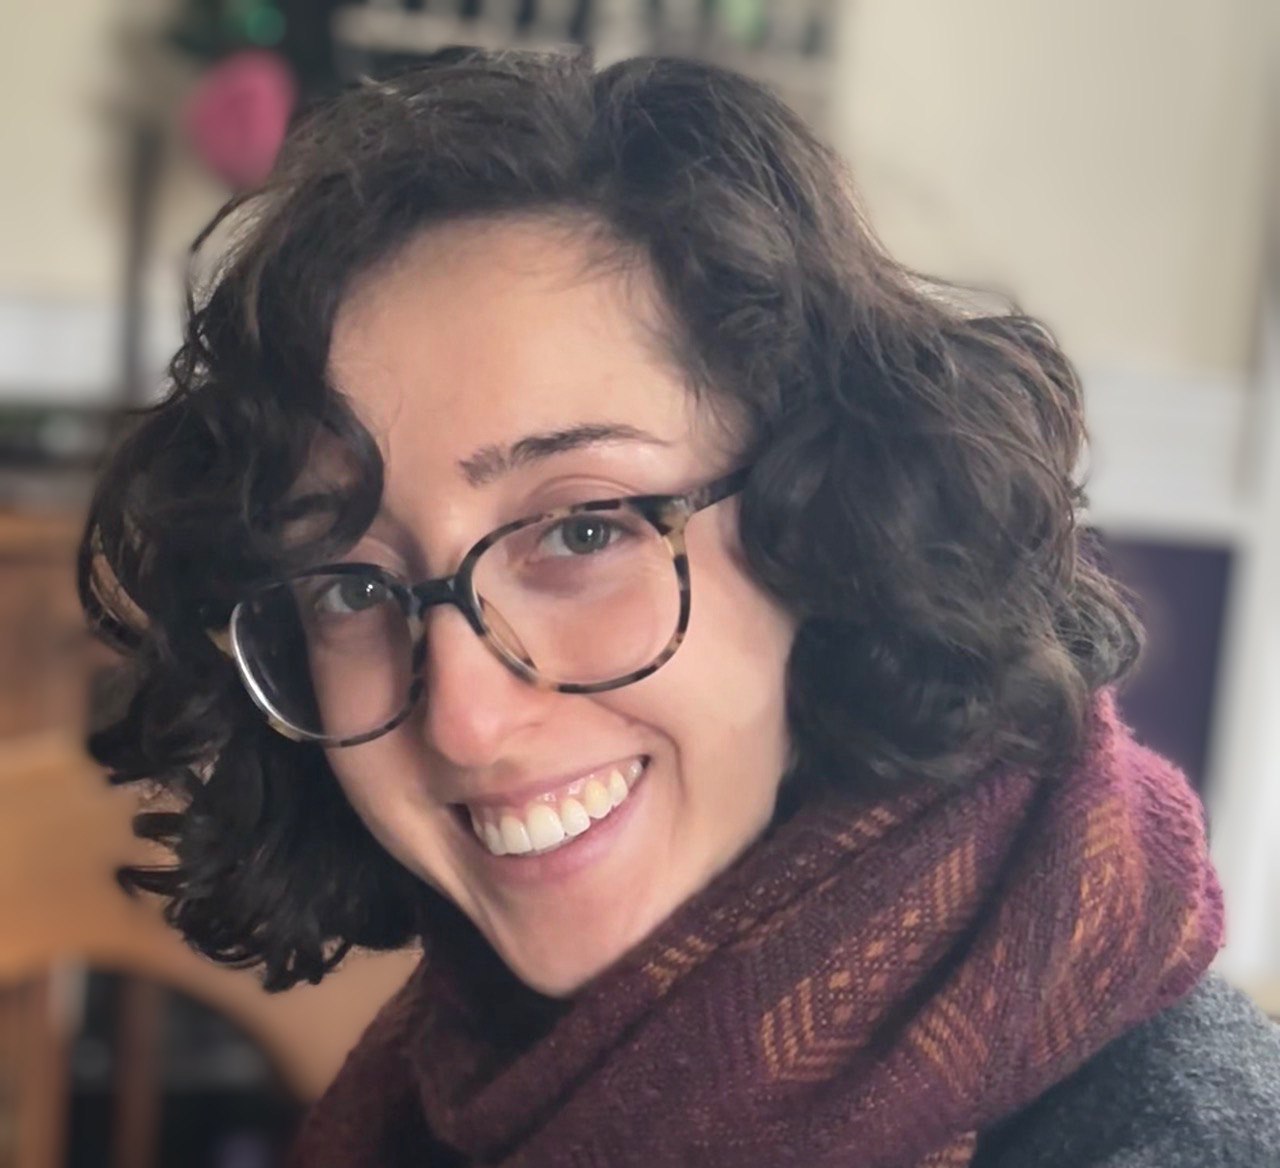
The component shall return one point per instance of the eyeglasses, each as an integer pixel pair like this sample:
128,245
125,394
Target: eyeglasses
581,599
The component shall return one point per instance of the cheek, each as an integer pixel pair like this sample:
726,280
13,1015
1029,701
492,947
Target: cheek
739,645
723,695
737,630
373,802
385,783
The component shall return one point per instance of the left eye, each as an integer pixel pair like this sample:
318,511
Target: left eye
580,535
348,596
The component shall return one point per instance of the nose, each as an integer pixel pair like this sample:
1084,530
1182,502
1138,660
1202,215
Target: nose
474,707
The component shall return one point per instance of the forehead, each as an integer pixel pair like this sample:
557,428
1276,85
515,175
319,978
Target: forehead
476,334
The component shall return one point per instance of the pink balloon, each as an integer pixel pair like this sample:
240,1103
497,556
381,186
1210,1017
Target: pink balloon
237,115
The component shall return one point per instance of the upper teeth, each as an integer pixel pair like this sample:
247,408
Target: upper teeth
554,819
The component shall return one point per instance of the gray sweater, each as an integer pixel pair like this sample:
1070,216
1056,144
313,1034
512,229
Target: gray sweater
1196,1087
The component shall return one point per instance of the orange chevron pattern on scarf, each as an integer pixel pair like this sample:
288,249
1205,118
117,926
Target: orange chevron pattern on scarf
872,984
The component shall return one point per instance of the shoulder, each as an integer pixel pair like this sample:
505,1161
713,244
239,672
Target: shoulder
1198,1086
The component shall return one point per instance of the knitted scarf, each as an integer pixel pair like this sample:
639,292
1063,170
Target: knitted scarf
873,983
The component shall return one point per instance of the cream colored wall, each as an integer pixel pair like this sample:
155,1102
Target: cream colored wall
58,209
1100,158
69,71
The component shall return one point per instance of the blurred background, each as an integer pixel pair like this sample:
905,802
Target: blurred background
1115,164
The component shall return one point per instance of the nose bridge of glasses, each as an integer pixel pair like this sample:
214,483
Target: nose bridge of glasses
485,621
445,591
441,653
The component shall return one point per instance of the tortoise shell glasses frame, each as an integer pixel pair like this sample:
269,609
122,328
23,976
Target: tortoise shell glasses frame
667,514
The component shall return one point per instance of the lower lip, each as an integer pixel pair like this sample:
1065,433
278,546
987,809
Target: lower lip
572,858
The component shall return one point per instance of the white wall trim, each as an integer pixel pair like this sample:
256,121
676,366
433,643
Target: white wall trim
58,351
67,352
1244,764
1167,455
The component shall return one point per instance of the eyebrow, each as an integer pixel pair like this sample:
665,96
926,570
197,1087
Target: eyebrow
488,463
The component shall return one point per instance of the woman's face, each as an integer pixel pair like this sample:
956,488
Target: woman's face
476,337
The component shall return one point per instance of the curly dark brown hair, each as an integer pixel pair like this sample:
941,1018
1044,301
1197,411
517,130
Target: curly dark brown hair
912,498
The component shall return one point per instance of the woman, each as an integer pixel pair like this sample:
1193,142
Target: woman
572,545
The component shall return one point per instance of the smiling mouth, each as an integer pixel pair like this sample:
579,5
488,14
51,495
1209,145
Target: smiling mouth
555,820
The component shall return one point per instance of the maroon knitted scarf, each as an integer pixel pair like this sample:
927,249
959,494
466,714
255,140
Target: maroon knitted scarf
872,984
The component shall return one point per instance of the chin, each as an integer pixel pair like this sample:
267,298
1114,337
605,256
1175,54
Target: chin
559,976
557,970
555,983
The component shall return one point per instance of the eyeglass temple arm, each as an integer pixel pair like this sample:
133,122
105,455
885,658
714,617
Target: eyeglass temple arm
720,488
